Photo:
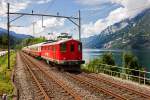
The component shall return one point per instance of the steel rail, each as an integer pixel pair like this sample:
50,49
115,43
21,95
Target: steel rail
59,82
46,97
120,86
82,80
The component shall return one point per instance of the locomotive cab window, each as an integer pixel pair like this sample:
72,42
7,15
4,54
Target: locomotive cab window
63,47
72,48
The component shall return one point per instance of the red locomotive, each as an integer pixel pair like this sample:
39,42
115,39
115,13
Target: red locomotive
63,53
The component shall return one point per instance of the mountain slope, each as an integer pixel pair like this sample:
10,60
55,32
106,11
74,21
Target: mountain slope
19,36
15,39
138,35
129,33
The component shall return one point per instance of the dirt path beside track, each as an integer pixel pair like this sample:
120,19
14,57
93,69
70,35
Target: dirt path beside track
22,80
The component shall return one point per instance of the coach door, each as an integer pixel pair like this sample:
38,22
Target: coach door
54,52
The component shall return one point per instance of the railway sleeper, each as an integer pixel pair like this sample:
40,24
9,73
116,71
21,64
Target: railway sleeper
97,88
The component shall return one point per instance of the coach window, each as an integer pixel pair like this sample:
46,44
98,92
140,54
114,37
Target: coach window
63,47
54,48
80,47
72,48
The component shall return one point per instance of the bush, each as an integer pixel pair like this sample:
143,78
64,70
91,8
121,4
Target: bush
5,74
96,64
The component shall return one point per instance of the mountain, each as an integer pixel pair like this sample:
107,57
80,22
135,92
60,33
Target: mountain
127,34
15,39
17,35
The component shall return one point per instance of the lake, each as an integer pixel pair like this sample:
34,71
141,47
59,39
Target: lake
142,55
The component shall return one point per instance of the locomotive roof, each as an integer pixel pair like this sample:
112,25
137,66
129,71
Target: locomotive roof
60,41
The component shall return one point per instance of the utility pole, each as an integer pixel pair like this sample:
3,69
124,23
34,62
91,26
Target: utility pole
79,26
43,23
8,25
33,25
33,28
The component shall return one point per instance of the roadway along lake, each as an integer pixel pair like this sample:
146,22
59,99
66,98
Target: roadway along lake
142,55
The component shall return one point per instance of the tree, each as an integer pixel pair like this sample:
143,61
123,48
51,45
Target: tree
131,62
31,41
4,41
107,58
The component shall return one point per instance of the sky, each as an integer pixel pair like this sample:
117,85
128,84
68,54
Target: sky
96,15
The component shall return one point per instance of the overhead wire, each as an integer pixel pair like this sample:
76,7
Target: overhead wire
50,5
45,11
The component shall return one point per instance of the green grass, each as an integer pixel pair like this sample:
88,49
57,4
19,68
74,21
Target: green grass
5,74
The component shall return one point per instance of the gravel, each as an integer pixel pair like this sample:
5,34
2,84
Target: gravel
139,87
85,94
22,80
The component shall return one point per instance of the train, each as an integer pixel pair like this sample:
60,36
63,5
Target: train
65,54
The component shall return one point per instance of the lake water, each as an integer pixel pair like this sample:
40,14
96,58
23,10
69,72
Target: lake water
142,55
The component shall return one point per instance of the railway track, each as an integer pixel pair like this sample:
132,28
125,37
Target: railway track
107,94
47,86
41,93
132,93
109,88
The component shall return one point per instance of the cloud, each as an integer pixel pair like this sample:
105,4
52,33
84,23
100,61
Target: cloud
128,9
94,28
132,7
17,5
42,1
49,23
92,2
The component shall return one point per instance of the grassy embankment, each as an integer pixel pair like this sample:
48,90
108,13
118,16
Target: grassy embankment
5,74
